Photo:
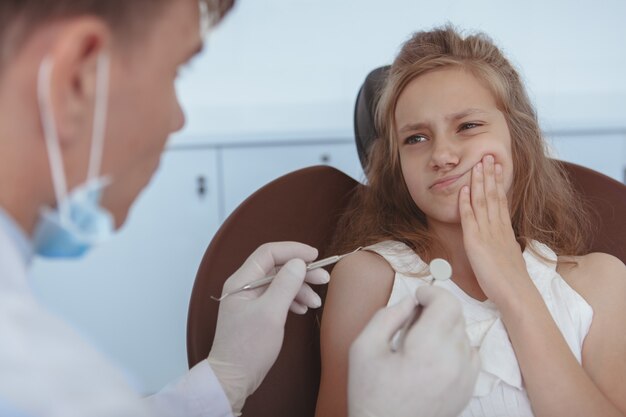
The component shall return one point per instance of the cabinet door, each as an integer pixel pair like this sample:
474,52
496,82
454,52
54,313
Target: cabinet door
247,169
605,153
130,296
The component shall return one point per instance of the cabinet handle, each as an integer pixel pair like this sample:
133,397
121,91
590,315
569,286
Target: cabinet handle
325,158
202,186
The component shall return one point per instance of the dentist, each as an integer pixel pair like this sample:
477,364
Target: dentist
87,101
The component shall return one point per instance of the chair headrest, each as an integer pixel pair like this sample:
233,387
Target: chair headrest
366,102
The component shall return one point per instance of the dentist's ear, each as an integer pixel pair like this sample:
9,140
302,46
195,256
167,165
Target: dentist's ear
73,56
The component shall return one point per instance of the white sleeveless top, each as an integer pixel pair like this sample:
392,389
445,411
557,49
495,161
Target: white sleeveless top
500,388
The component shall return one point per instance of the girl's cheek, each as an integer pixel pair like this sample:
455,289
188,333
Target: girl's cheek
499,152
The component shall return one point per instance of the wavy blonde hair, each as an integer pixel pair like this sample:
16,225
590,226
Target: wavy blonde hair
543,203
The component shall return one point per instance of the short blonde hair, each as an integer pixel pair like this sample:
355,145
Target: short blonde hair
18,18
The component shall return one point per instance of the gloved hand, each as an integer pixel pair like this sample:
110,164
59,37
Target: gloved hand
251,324
433,373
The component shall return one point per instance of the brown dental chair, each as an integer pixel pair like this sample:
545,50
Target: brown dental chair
302,206
289,208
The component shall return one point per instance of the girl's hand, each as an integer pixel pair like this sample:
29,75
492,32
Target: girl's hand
488,236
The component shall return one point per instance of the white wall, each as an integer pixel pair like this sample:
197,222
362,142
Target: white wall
294,66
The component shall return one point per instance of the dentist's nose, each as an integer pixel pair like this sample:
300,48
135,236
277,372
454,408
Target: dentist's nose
178,116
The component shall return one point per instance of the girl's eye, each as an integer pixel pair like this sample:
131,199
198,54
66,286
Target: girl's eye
415,139
469,125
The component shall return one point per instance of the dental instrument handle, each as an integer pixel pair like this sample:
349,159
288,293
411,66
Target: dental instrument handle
322,263
313,265
265,281
398,340
440,270
258,283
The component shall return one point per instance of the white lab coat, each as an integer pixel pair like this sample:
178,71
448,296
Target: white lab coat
48,370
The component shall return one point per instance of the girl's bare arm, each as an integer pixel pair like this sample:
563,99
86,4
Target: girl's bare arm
359,286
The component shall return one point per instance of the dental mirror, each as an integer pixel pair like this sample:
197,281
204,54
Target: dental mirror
440,269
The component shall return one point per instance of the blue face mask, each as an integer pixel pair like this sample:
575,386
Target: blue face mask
79,221
83,224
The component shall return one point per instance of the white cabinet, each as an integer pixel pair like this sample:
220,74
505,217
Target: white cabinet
605,153
247,169
130,296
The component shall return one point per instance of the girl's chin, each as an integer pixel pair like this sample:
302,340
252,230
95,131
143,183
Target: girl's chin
449,218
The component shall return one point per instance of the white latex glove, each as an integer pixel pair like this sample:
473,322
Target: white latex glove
433,373
251,324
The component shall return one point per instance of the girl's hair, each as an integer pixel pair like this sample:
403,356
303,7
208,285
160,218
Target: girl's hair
543,203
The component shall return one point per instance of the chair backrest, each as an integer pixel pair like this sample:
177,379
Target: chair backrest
607,199
302,206
605,196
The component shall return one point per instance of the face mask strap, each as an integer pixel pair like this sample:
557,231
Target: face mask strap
55,157
205,18
100,116
208,19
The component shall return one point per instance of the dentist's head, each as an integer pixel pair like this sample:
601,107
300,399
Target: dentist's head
87,101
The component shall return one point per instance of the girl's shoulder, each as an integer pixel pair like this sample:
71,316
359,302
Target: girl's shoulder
364,277
380,259
364,266
596,276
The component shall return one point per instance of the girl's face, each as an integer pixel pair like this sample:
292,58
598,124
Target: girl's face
446,122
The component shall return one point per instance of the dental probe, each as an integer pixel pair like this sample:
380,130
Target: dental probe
265,281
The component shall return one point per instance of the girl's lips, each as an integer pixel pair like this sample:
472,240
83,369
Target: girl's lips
444,182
